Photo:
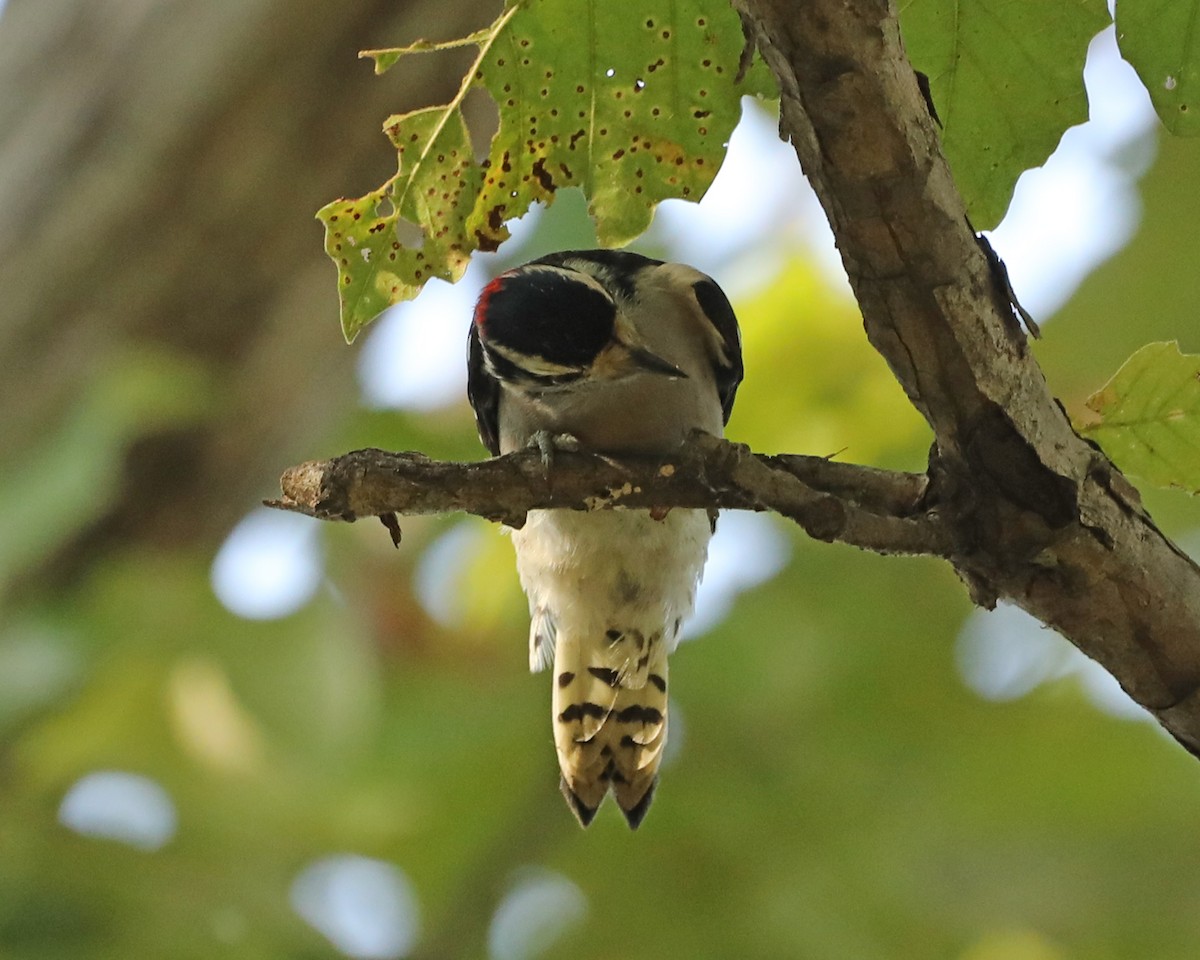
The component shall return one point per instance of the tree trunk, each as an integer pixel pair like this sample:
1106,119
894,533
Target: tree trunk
160,166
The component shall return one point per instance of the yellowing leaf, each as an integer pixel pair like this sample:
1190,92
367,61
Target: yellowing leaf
632,107
1150,416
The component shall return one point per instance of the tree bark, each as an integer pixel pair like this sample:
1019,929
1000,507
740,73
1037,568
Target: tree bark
1039,516
878,510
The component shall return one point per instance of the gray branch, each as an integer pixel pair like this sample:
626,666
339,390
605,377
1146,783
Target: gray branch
874,509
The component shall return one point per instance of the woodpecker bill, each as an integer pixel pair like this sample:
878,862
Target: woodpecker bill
620,354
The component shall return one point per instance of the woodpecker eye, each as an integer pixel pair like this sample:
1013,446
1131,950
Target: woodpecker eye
546,313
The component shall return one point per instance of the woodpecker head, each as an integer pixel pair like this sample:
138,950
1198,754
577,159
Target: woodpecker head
567,329
559,322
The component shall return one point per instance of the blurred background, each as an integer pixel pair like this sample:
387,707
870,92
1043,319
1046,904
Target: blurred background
231,732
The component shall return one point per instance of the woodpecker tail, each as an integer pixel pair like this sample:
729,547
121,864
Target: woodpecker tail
610,719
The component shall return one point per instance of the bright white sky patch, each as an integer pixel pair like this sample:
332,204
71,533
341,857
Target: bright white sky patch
1005,654
269,566
366,908
436,580
758,210
1105,693
534,914
1070,215
415,357
120,806
747,550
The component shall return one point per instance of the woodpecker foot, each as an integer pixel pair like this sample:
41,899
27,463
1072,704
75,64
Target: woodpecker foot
547,443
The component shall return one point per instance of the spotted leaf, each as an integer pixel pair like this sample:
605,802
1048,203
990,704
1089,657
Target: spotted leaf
632,109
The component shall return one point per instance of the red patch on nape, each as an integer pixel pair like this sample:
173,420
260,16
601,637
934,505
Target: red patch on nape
481,305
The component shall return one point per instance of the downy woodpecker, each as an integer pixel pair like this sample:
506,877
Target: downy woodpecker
622,355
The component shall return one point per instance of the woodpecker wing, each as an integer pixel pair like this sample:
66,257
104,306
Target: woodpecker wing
719,312
483,392
543,635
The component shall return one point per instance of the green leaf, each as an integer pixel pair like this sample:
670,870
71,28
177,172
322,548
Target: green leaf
1006,78
433,190
1150,416
1162,41
633,109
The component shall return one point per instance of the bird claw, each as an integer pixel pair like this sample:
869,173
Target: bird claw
548,443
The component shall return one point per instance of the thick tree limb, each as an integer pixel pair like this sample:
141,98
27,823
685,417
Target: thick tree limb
874,509
1039,516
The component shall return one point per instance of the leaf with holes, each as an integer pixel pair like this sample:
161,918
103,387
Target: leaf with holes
1006,77
433,190
1150,416
632,109
1161,39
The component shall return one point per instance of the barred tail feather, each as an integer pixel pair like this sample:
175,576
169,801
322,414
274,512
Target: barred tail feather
610,720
